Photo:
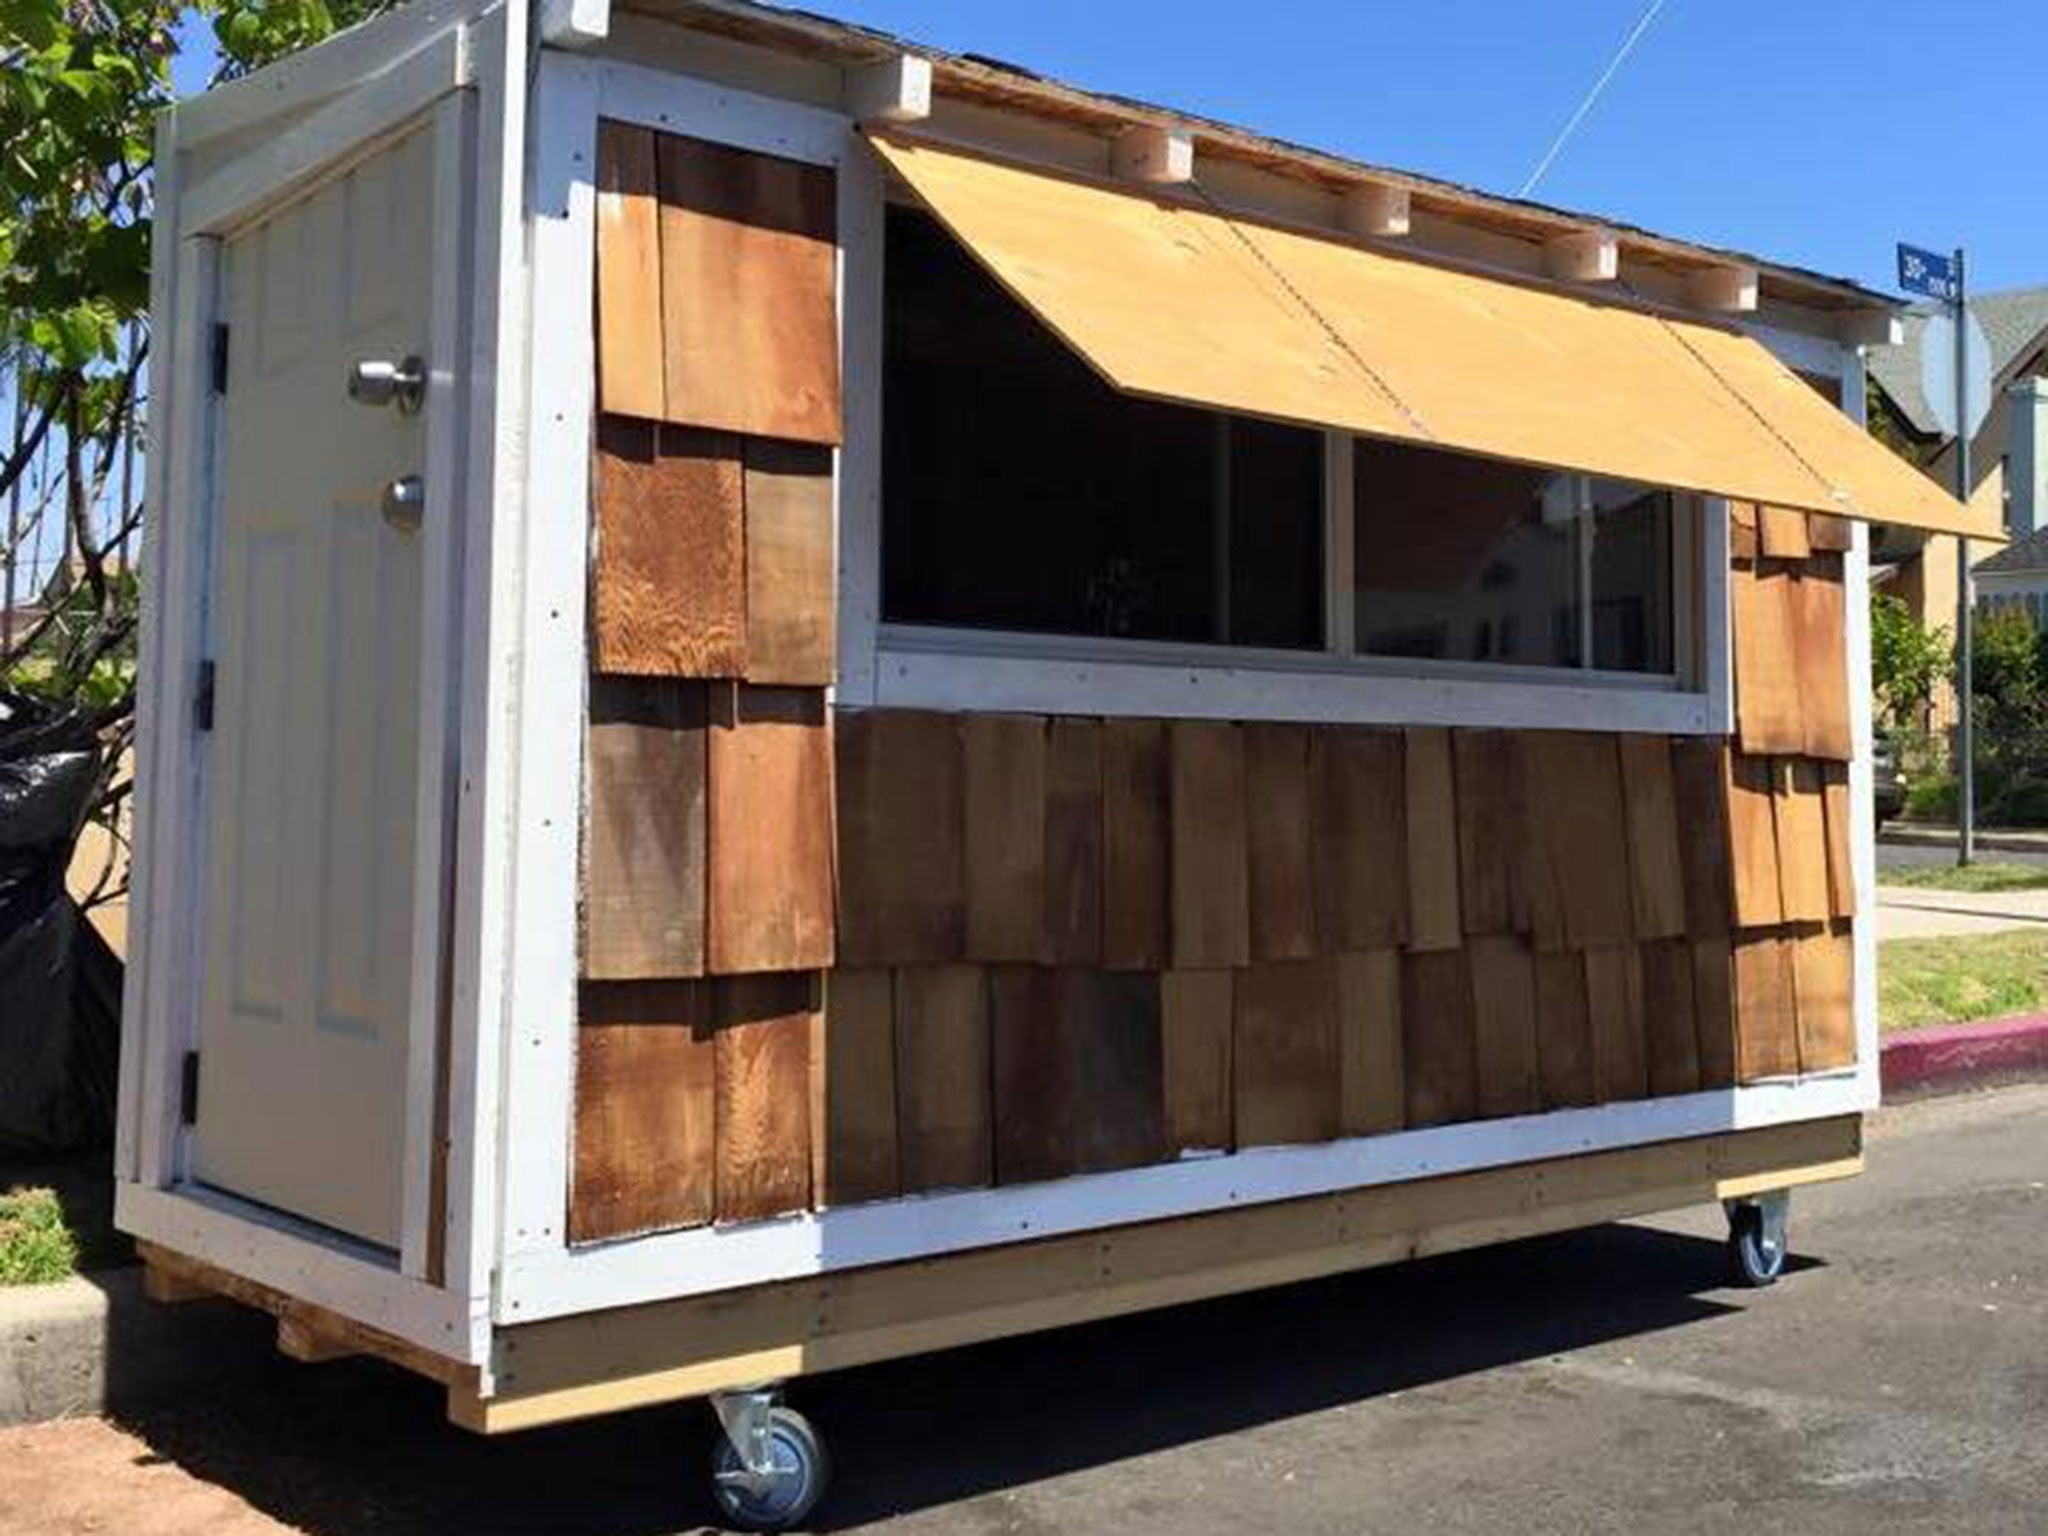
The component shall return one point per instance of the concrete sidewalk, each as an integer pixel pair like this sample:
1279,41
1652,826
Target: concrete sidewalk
1915,912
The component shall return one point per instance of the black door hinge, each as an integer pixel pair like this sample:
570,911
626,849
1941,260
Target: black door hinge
202,698
220,358
188,1090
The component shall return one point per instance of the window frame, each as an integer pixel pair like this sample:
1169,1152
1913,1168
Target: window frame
916,666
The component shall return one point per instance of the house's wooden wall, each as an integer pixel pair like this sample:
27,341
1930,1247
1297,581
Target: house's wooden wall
834,957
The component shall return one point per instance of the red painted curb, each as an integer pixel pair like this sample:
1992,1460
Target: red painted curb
1958,1055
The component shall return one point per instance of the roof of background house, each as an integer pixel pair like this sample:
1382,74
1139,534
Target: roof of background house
2027,554
998,82
2014,323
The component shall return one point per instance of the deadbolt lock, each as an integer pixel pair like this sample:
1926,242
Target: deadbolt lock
379,381
405,502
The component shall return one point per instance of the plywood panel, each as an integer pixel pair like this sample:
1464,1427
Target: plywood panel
1564,1030
1574,802
1073,842
1284,1053
763,1028
792,589
1135,924
1766,1009
1209,865
1767,697
1834,799
944,1130
1699,774
643,1158
1369,1043
1438,1050
644,830
629,362
668,585
1781,534
1823,972
1614,1004
1655,867
1359,860
1504,1019
1195,1034
749,323
853,1089
1755,900
1713,1003
1432,824
771,830
1802,840
1821,654
1005,829
1492,833
1670,1033
1033,1069
901,815
1279,835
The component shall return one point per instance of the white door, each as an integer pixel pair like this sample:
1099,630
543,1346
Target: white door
315,758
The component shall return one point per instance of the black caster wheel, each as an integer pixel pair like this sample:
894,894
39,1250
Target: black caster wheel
1756,1253
777,1499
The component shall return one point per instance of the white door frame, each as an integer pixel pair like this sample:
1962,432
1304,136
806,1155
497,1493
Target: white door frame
459,84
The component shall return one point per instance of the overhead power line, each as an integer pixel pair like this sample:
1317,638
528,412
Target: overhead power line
1614,64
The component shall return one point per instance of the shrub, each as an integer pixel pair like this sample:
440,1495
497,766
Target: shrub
36,1247
1933,799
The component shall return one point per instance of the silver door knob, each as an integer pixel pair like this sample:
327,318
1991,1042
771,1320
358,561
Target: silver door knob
379,381
405,502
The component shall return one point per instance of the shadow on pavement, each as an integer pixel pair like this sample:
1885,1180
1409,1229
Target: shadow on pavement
355,1448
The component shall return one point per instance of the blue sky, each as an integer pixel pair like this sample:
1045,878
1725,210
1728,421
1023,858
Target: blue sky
1814,132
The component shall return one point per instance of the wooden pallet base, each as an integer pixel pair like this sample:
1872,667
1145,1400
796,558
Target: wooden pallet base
603,1362
304,1331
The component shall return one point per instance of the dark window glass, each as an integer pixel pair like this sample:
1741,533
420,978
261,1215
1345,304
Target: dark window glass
1021,492
1632,620
1457,559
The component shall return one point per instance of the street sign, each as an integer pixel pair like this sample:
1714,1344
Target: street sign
1927,273
1938,370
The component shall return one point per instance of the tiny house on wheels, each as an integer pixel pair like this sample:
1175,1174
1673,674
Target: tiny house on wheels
809,700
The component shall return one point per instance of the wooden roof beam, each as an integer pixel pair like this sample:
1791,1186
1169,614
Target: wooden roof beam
1731,289
897,89
1584,256
1161,157
1873,328
1374,208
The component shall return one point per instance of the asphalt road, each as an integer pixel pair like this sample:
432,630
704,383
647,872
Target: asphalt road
1928,855
1609,1380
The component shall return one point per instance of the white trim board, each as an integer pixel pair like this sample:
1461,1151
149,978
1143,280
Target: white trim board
537,1286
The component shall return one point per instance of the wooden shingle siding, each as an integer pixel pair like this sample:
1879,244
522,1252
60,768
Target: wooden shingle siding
792,586
1196,1021
762,1028
1713,1007
1800,820
1373,1075
944,1118
1492,833
1768,717
1359,860
1766,1008
749,324
1614,1005
645,1136
644,831
1574,801
668,586
1135,923
1284,1053
1820,637
1209,862
1699,776
1004,786
853,1089
901,828
1073,842
1504,1025
1280,832
770,886
1656,870
1432,824
1564,1031
1671,1038
1824,969
1439,1052
629,367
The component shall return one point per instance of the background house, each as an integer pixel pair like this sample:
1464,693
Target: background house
2008,459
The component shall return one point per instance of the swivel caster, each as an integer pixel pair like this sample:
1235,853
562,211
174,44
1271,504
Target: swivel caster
1756,1237
770,1468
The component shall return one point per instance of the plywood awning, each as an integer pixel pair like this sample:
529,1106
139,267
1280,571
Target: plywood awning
1171,298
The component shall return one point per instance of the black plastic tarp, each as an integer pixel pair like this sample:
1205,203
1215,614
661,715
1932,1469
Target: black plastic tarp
59,983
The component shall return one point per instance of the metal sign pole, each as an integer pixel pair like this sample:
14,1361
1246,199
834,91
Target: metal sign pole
1966,772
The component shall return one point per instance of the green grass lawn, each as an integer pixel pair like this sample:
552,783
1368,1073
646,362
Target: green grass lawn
1946,981
36,1245
1969,877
